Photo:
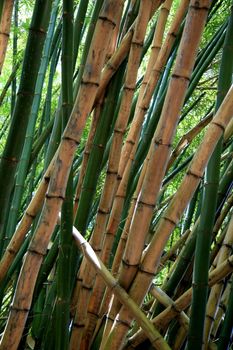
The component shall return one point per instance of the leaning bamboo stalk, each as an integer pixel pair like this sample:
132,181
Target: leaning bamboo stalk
5,25
180,304
166,301
118,202
162,145
122,243
56,191
121,53
188,137
24,225
119,131
175,210
120,293
178,245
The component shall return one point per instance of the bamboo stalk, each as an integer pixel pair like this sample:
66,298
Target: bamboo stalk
5,25
16,135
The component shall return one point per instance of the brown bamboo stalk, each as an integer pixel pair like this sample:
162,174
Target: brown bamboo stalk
180,304
118,202
115,150
160,154
56,191
25,223
121,246
86,154
5,25
216,291
121,53
151,80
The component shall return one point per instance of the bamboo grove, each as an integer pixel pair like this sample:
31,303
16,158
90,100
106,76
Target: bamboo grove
116,172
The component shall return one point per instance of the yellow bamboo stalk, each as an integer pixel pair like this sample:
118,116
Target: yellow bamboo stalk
166,301
216,291
120,293
221,309
56,191
5,25
180,304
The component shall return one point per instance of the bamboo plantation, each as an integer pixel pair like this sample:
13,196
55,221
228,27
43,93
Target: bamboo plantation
116,172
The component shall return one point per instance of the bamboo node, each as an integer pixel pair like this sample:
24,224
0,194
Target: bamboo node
50,196
137,43
173,222
150,205
124,262
106,19
196,6
103,212
5,34
76,325
30,215
35,252
18,309
123,322
221,126
194,174
89,82
146,271
159,142
87,288
69,138
178,76
210,317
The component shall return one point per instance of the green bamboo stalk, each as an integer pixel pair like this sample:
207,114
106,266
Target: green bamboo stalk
64,265
10,81
207,217
16,136
25,157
